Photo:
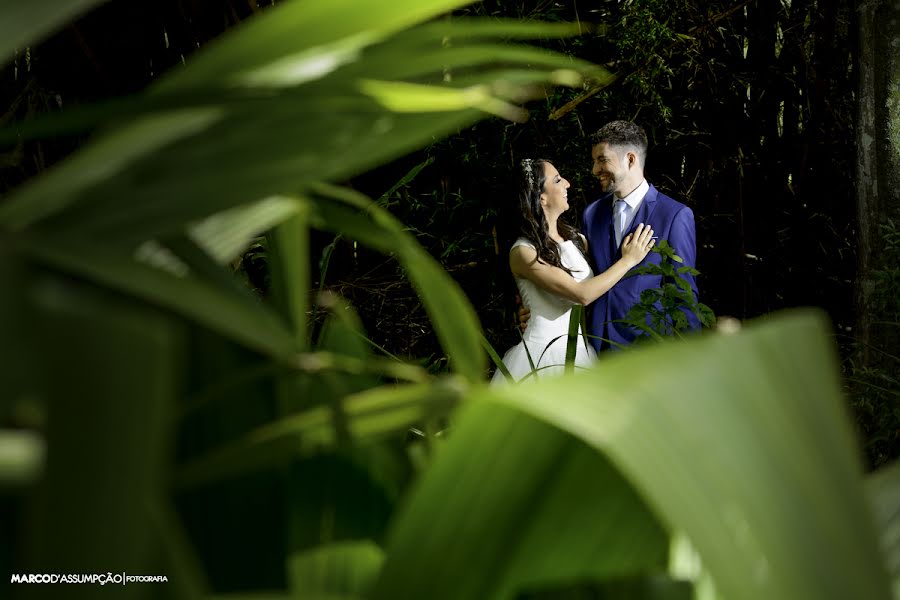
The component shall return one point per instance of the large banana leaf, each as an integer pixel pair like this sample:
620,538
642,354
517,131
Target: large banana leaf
741,442
511,503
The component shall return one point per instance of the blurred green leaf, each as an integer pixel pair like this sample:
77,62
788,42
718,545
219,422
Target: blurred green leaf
401,97
452,31
203,267
883,487
368,416
231,314
297,41
289,264
510,504
226,235
343,331
107,436
17,343
183,157
654,587
22,455
298,137
100,161
433,60
254,596
179,560
743,443
28,22
342,570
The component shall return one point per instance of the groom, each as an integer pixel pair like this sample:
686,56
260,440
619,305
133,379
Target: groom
619,153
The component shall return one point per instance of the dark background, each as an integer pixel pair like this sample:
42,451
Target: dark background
749,107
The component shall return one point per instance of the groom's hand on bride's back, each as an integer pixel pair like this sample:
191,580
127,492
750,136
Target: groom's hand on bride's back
523,313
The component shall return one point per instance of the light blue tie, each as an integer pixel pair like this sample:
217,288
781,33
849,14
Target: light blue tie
620,217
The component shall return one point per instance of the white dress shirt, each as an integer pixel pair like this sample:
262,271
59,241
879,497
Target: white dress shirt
633,200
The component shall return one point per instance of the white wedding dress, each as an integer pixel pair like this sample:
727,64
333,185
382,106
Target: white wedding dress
546,335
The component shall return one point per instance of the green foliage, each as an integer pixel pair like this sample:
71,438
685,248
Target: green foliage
661,311
873,384
194,430
783,432
886,296
653,46
145,218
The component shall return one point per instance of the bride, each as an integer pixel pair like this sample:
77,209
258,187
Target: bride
549,266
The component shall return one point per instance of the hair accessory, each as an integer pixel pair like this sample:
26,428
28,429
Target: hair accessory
529,174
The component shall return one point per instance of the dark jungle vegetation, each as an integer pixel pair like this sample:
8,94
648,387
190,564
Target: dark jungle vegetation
246,246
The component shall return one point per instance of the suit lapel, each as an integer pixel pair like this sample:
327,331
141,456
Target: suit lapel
608,252
645,210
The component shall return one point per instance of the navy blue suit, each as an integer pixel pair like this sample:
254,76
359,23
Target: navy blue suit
671,221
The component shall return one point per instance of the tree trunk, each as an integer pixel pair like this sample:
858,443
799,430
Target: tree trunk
878,163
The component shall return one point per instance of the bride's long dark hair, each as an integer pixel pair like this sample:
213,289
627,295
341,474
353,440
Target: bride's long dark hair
533,225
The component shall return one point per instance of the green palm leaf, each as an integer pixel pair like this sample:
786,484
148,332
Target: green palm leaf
740,442
511,503
730,439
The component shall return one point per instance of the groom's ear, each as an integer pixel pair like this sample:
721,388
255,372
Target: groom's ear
632,158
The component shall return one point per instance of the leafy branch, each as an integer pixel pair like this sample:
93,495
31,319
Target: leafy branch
663,311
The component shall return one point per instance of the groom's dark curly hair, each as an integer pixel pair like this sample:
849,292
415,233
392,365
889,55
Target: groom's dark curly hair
533,223
623,134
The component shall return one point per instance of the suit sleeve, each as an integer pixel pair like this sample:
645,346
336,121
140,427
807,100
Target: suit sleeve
683,239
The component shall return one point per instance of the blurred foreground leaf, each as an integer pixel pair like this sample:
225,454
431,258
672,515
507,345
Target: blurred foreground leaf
339,571
883,487
107,437
26,23
743,443
512,503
